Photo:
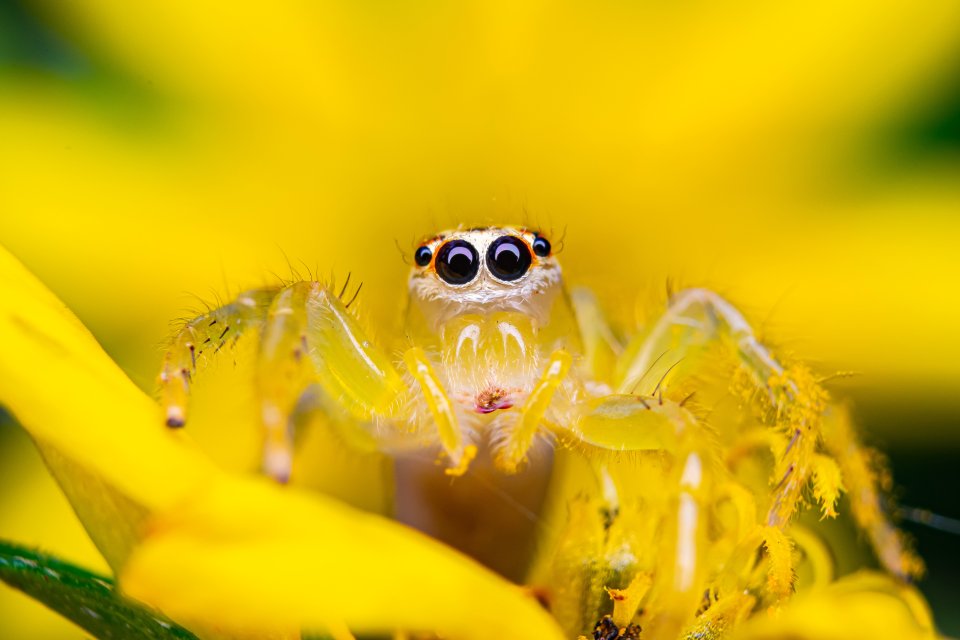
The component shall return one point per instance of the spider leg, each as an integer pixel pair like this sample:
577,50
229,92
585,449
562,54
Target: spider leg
520,438
861,477
600,345
684,500
442,411
282,374
198,341
309,338
693,319
622,423
791,401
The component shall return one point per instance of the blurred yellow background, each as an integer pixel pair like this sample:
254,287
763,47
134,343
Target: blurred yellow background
803,158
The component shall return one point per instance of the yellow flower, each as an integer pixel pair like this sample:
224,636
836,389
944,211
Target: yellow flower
723,144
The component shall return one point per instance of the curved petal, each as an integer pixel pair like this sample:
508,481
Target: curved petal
98,433
861,605
280,559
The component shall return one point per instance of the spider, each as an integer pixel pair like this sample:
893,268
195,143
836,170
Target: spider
699,445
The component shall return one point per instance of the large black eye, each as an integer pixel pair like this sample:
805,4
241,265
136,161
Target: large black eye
457,262
508,258
422,256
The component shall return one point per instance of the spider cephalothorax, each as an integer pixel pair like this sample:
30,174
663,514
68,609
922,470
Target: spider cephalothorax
503,369
488,309
482,271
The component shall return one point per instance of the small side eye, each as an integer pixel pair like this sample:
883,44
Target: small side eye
423,256
541,246
457,262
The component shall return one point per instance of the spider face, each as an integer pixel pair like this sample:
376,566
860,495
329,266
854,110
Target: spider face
485,301
483,271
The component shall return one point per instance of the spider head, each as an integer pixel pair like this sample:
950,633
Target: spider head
484,270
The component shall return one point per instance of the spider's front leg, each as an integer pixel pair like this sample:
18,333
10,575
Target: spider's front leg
520,437
694,319
197,341
441,410
311,341
310,345
697,319
791,401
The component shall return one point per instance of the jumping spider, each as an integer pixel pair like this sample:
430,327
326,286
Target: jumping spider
503,370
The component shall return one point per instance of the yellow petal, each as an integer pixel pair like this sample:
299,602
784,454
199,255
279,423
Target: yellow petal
98,433
863,605
271,558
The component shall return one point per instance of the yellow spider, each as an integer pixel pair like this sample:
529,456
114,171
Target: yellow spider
699,445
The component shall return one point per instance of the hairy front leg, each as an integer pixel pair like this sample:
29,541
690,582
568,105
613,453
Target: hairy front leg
601,346
513,452
282,375
790,400
307,340
194,344
311,341
862,476
441,410
694,319
814,440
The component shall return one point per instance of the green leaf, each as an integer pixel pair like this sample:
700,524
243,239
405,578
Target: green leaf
87,599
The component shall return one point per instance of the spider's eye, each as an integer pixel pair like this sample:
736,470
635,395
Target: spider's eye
457,262
508,258
422,256
541,246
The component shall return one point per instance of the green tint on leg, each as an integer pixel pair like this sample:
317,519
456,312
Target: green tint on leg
600,345
349,367
283,373
694,319
514,451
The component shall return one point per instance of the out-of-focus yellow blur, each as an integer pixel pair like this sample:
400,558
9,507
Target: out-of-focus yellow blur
795,156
